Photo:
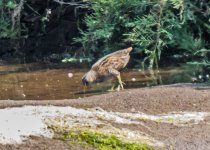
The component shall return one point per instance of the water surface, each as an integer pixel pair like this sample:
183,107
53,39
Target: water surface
50,82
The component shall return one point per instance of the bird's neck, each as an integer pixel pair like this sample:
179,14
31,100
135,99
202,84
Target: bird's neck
91,76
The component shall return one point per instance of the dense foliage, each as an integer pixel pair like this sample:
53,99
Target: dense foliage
179,28
39,30
10,18
175,30
18,18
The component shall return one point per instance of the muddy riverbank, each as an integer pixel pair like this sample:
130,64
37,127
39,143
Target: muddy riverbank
176,116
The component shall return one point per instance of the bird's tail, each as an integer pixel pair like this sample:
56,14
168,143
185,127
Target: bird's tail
129,49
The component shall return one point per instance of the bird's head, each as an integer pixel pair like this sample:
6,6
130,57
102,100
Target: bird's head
89,77
84,81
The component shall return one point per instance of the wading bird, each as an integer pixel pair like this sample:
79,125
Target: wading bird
108,67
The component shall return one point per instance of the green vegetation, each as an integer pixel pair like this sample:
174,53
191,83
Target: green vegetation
170,120
9,18
158,30
143,119
101,141
172,27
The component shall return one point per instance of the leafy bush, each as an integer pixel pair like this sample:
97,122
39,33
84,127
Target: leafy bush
106,26
8,24
155,26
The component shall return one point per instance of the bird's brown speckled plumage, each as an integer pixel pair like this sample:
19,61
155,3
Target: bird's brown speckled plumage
108,67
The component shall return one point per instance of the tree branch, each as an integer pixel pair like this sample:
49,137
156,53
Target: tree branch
70,3
16,13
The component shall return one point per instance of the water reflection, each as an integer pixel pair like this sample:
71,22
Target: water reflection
41,82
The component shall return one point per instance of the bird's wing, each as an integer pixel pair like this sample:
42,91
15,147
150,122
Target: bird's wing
110,61
99,62
116,60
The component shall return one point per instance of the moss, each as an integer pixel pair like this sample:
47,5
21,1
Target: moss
159,120
100,141
170,120
143,119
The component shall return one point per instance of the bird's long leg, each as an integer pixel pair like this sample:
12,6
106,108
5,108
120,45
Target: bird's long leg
116,73
84,88
120,81
112,88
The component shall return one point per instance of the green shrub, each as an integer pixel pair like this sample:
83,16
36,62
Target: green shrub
7,20
155,26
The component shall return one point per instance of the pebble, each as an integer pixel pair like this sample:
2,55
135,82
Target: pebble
70,75
133,79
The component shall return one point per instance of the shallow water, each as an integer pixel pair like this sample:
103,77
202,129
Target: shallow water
44,81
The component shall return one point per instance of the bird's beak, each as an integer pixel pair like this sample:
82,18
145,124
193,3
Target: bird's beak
85,88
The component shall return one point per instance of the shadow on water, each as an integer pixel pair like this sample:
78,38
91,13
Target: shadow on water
61,81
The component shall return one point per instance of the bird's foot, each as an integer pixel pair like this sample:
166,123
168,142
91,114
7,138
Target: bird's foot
119,87
113,89
123,83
